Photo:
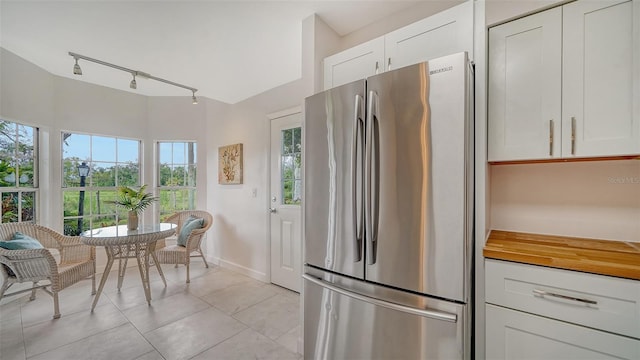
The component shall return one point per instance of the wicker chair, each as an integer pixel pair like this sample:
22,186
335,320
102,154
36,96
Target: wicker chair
176,254
77,262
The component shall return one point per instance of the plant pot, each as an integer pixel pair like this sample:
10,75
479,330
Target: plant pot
132,220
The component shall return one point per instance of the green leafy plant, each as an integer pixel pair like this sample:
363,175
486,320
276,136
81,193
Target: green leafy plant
134,200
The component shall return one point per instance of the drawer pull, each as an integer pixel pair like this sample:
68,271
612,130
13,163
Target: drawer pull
543,293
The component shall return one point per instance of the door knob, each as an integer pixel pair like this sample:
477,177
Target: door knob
272,210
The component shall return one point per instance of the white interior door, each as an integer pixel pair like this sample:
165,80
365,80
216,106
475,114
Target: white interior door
286,200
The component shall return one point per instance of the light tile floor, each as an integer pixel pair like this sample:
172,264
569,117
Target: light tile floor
219,315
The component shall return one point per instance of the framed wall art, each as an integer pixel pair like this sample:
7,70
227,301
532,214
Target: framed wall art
230,164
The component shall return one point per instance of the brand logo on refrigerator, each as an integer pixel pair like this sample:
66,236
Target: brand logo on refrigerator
441,70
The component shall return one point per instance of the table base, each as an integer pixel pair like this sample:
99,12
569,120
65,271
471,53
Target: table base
122,253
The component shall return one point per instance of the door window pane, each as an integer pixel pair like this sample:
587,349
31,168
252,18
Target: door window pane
290,166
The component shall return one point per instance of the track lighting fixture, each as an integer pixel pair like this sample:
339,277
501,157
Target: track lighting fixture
76,68
133,84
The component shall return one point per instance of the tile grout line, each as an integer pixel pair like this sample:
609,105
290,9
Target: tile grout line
24,341
73,342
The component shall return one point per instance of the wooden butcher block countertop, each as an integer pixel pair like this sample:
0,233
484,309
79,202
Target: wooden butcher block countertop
604,257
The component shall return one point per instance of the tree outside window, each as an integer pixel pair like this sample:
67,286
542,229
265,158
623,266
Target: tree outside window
18,171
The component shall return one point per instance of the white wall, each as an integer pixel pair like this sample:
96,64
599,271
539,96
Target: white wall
239,233
26,96
26,91
320,41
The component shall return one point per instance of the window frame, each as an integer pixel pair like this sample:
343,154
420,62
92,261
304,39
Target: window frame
90,189
191,189
20,190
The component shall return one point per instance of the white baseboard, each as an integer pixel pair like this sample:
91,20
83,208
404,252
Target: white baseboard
212,260
260,276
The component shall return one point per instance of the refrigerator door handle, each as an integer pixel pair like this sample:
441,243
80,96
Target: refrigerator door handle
357,173
433,314
371,178
367,180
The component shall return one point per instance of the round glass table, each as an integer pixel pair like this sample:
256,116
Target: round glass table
122,244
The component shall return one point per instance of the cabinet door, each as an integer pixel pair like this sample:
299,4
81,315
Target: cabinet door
517,335
525,64
354,64
601,73
444,33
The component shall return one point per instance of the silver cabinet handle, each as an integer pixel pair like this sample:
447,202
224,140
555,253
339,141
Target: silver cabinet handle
543,293
389,64
377,67
551,137
573,135
434,314
273,210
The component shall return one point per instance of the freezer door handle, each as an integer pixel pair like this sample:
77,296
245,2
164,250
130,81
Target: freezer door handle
433,314
371,178
357,145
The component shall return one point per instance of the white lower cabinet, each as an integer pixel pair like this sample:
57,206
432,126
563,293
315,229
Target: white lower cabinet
515,335
535,312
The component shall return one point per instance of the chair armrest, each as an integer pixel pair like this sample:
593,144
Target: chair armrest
193,241
29,263
73,250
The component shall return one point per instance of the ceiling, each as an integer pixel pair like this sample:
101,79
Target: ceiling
228,50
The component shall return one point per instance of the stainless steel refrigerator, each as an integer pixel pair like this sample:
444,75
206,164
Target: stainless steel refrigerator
388,215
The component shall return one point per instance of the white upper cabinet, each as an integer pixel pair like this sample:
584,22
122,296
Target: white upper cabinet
601,78
354,64
565,83
445,33
525,85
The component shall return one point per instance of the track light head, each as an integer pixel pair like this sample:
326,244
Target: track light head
133,84
193,97
76,68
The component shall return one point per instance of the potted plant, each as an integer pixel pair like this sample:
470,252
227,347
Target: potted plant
135,202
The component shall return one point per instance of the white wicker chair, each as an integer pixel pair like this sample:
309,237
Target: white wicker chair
77,262
176,254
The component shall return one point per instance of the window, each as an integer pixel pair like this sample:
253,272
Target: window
109,162
176,177
18,171
291,160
